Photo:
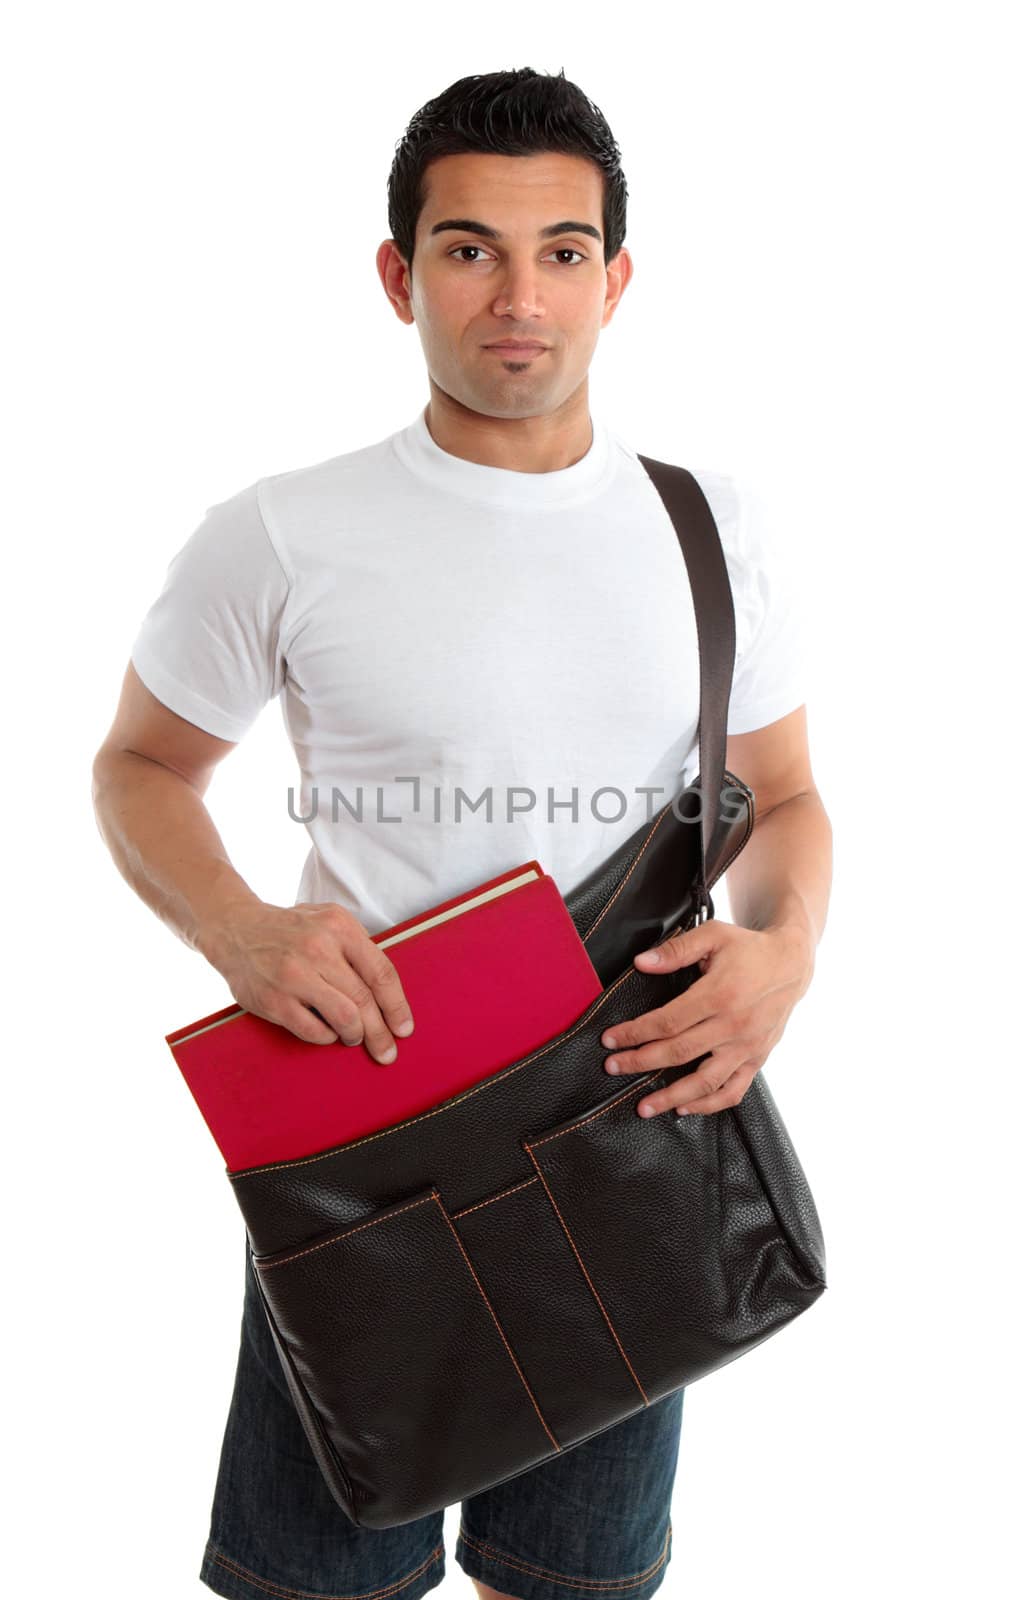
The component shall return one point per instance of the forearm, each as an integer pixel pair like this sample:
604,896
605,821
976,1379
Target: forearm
782,878
165,845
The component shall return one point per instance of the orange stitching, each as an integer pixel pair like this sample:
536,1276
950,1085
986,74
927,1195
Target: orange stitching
562,1038
492,1313
494,1197
576,1583
589,1281
266,1266
316,1594
612,1105
639,855
664,812
487,1083
633,1088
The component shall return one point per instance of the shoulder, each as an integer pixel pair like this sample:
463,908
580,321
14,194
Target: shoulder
725,493
229,555
754,556
305,503
732,506
760,569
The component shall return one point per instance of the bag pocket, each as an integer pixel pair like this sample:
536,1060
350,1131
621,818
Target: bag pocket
522,1259
286,1203
403,1358
668,1224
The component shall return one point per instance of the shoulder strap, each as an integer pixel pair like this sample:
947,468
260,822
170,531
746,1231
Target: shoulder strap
715,626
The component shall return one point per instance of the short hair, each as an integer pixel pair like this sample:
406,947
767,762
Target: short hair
515,113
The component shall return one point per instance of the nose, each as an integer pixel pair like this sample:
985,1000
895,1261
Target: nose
520,296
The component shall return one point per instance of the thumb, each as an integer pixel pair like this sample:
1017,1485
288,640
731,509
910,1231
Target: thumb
680,949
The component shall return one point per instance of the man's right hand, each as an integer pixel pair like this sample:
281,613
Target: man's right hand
285,962
311,968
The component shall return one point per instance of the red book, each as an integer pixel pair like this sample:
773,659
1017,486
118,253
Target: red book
489,975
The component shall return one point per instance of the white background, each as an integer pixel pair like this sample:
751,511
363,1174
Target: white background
824,216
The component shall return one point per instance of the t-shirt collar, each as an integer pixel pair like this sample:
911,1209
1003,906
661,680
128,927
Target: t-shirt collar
503,486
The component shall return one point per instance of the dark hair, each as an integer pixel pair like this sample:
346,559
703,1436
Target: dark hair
514,113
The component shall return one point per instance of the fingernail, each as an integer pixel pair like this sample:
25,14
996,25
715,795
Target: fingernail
388,1055
646,1111
649,957
612,1066
608,1041
404,1028
683,1111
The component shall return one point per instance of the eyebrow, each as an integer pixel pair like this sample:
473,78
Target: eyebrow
468,225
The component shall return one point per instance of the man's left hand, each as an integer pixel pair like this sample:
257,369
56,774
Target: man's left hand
737,1009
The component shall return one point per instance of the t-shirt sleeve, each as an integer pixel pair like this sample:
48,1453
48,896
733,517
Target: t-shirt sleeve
211,645
771,647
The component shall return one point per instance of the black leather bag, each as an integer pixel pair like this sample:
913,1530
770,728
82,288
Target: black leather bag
457,1298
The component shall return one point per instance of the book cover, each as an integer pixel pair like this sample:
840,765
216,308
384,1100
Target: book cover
490,975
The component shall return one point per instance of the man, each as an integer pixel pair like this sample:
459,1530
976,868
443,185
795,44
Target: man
493,598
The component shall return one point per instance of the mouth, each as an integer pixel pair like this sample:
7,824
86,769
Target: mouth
516,348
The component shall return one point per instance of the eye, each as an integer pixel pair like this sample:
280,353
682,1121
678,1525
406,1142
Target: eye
564,249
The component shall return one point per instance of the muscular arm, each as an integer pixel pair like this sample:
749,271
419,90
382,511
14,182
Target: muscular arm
311,968
753,970
782,879
149,778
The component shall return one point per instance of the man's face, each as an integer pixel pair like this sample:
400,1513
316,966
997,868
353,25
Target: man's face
468,290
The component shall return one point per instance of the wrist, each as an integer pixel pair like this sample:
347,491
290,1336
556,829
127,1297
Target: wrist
216,917
795,933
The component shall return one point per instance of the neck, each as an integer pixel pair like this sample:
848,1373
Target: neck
544,443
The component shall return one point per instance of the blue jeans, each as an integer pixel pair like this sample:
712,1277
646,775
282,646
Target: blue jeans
593,1521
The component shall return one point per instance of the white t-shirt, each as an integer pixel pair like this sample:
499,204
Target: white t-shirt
476,666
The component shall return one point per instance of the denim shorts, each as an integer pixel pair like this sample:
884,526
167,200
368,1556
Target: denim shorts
593,1521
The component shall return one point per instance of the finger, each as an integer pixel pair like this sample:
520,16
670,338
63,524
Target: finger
706,1080
379,973
350,1006
675,1052
685,1011
680,1050
729,1094
291,1013
349,960
360,978
339,1010
378,1038
375,1034
682,948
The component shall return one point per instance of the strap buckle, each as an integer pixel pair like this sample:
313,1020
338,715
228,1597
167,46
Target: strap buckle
705,908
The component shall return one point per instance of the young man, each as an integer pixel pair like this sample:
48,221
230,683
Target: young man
491,599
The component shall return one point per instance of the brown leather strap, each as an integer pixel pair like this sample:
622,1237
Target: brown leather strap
700,540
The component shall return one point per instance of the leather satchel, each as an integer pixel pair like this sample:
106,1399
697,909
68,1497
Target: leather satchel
457,1298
